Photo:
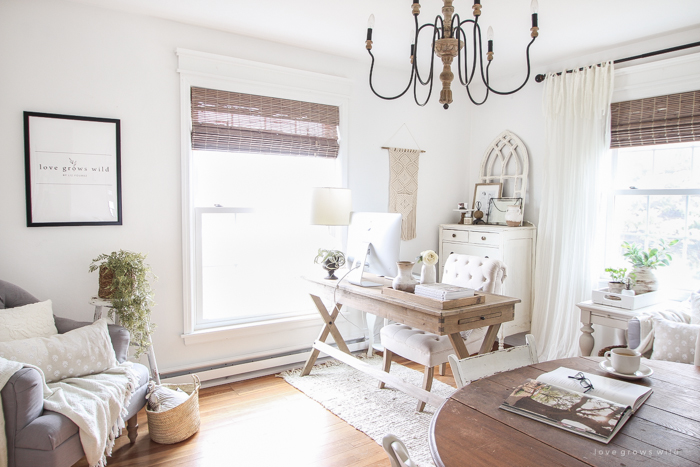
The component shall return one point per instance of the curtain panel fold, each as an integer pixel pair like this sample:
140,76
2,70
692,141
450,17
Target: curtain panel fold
235,122
577,114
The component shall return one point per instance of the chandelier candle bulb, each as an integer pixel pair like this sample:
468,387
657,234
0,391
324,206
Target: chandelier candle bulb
370,26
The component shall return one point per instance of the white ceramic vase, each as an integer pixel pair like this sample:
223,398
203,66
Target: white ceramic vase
645,280
404,280
514,216
428,274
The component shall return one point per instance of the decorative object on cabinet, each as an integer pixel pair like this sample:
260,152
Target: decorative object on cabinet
478,214
331,261
514,246
506,161
483,192
72,170
404,280
500,209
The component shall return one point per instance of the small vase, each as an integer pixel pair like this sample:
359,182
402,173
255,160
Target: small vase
645,281
404,281
427,274
615,287
514,216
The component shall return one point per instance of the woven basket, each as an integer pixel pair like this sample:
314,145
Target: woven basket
105,281
178,423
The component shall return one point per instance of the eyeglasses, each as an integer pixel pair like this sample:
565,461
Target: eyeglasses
585,382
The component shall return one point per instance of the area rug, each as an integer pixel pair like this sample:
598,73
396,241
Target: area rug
355,397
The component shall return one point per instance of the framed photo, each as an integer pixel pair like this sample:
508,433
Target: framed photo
72,170
483,192
498,208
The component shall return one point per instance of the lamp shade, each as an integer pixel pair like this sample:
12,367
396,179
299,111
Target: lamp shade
330,206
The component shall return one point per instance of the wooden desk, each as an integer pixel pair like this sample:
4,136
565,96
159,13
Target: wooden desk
470,429
495,310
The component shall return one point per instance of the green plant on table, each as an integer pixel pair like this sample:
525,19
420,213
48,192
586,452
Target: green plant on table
655,256
616,275
130,292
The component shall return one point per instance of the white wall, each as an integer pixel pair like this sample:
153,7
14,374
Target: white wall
67,58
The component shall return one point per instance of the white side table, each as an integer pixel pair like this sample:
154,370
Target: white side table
610,316
100,304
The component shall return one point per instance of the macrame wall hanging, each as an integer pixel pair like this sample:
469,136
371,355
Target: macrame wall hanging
403,188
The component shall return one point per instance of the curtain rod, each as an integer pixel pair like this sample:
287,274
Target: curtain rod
540,78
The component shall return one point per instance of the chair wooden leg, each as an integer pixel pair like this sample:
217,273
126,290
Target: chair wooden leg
132,428
427,384
443,367
386,366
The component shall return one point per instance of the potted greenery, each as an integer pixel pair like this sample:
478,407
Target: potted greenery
331,261
646,261
617,276
124,279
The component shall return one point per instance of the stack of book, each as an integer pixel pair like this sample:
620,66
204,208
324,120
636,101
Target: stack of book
443,292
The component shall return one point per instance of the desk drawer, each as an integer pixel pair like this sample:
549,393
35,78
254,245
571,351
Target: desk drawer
484,238
455,236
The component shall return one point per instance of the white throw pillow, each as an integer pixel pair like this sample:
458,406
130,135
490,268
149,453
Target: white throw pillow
83,351
675,342
695,307
24,322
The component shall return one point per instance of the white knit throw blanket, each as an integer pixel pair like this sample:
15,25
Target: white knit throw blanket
96,403
403,188
7,369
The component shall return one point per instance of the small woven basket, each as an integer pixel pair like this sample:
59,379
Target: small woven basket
178,423
105,282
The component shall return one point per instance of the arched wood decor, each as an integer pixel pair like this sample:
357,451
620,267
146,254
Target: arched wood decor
506,161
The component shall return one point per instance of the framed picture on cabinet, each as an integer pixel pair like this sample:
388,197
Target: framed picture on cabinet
72,170
483,193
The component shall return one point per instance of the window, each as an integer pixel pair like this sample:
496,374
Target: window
254,161
655,189
656,194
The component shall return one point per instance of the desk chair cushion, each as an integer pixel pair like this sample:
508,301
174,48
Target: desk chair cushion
416,345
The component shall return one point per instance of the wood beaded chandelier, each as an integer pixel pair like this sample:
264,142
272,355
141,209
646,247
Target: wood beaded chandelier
448,42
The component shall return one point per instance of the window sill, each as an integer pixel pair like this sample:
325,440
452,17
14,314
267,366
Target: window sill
248,329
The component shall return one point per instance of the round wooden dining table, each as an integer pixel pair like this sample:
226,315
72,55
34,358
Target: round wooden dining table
470,430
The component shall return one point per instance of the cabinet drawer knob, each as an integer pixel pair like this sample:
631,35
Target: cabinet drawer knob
483,238
454,235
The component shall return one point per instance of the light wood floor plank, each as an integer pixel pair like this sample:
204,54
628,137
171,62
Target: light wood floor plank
262,422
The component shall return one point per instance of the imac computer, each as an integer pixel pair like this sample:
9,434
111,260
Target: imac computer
374,239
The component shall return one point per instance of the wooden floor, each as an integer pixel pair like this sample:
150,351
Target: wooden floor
261,422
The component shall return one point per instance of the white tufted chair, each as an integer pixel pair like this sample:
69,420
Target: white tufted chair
430,350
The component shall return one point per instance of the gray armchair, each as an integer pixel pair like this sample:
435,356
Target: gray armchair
38,437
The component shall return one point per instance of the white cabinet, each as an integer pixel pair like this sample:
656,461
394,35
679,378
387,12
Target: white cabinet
515,246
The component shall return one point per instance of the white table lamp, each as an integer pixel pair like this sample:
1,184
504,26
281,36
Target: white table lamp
330,206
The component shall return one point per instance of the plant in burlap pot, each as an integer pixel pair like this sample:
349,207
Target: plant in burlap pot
124,279
645,262
617,276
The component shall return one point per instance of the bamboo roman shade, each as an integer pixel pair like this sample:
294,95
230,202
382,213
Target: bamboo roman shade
656,120
234,122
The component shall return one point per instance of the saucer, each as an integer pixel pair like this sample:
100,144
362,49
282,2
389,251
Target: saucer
643,371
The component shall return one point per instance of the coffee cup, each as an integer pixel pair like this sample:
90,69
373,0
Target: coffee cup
622,360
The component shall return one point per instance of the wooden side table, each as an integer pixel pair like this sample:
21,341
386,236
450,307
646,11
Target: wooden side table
100,304
610,316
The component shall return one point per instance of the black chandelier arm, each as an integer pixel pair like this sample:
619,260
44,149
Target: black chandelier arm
486,96
371,86
480,55
432,55
430,89
527,56
460,32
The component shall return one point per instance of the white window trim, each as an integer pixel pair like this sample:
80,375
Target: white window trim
238,75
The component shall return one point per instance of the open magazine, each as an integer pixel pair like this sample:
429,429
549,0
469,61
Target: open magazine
558,400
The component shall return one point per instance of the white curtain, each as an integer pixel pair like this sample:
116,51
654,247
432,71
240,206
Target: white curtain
577,112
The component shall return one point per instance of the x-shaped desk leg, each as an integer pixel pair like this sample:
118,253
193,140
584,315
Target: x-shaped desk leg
328,327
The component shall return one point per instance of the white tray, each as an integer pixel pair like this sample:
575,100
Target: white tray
603,297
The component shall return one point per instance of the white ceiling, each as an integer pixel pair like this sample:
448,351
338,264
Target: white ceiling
567,27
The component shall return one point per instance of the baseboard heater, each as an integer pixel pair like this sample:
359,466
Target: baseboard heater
252,367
